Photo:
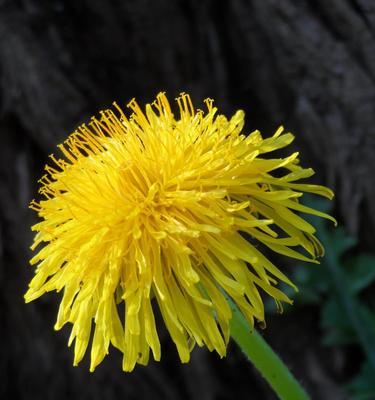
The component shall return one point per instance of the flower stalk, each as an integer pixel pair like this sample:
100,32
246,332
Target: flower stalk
267,362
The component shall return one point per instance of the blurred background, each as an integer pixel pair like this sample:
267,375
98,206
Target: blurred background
309,65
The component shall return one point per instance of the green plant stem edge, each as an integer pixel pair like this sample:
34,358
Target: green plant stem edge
265,359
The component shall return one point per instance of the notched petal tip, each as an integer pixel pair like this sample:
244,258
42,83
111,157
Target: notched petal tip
27,298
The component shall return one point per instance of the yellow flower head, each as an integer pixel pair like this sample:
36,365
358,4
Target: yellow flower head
157,211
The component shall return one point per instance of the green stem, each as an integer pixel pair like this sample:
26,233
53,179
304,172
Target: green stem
265,359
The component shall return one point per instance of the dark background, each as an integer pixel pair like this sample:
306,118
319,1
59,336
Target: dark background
309,65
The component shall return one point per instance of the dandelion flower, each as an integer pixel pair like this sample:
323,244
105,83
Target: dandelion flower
155,211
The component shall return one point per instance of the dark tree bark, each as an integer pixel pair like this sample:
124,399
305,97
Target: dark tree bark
308,64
